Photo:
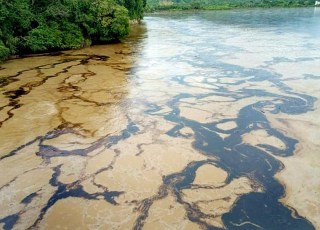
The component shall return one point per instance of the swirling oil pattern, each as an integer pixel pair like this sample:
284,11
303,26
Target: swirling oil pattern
198,120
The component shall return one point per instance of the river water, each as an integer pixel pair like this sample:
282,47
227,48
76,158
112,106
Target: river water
198,120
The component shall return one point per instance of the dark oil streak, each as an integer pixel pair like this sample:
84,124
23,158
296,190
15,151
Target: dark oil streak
145,205
14,95
71,190
47,151
9,221
14,152
170,183
10,114
27,88
29,198
262,209
75,189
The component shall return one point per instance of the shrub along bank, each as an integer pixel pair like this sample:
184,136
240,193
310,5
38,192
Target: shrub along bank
32,26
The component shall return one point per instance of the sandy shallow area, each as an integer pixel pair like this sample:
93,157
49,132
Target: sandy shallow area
300,175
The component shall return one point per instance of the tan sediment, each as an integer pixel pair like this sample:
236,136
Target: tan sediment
28,122
223,135
227,125
158,89
187,131
90,187
294,73
102,160
46,100
209,174
26,159
71,168
31,211
157,156
81,98
207,111
21,188
207,99
97,121
144,166
300,175
255,53
4,113
216,209
128,174
168,214
69,142
12,195
261,136
77,213
217,200
212,196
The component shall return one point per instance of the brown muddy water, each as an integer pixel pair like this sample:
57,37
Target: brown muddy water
207,120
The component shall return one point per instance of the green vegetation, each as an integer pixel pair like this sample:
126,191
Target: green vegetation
222,4
48,25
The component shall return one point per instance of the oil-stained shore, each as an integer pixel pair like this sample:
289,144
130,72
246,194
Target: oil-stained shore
195,123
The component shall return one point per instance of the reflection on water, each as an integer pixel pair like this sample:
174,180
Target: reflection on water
198,120
316,12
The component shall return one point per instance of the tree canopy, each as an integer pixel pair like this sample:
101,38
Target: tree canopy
49,25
